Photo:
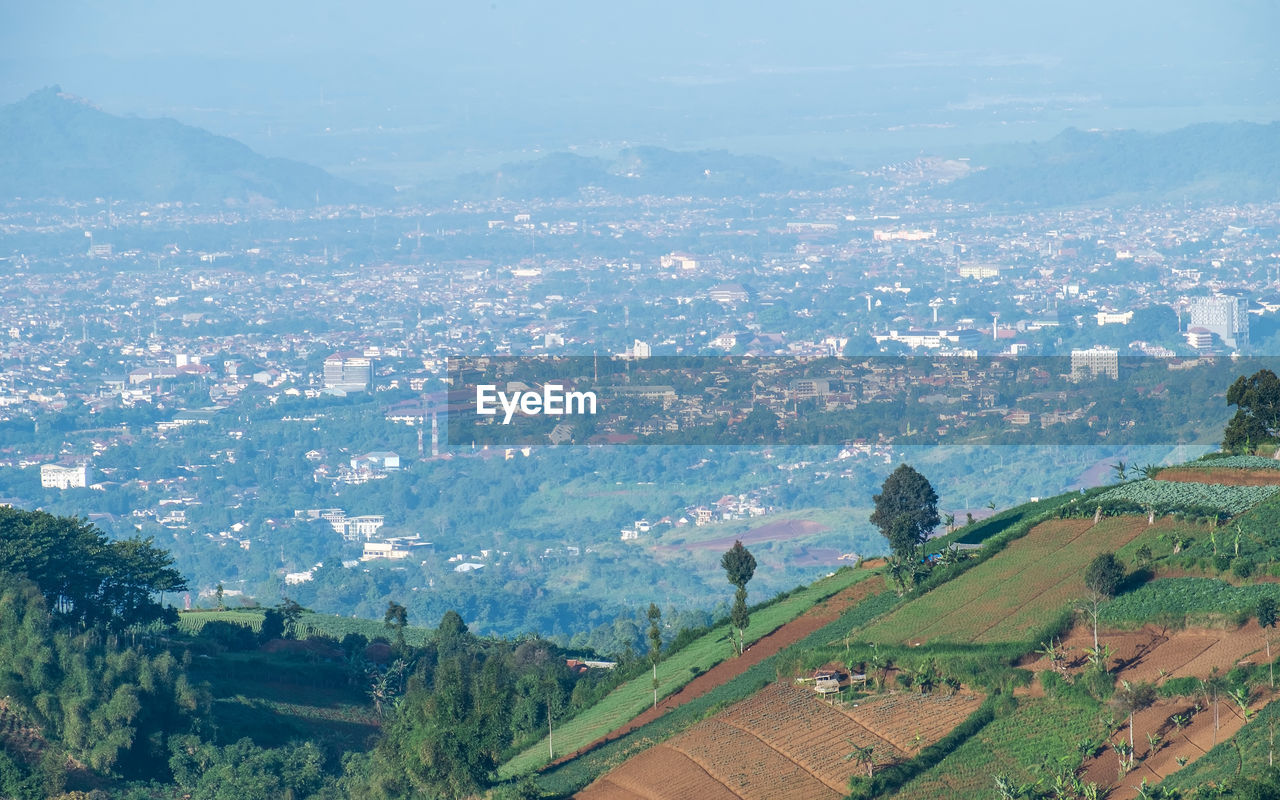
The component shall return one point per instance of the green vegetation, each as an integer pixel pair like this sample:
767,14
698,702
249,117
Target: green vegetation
677,669
309,624
906,511
1230,461
1168,497
1007,599
1029,743
1257,417
1184,601
572,776
739,565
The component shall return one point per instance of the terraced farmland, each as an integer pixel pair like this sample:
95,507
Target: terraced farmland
1038,731
771,628
1009,597
912,721
784,742
1167,496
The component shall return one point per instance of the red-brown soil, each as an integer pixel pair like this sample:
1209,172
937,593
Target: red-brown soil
790,633
785,742
1190,742
1153,654
1226,477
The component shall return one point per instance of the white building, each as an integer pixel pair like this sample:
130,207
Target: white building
53,476
1225,316
1095,361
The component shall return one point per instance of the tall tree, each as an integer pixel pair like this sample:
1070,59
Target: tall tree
396,618
1132,698
1102,578
655,645
1267,619
739,565
906,510
1257,417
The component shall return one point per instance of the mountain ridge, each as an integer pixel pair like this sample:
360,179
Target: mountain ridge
61,146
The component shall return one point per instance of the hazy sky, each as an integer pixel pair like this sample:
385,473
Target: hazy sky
363,85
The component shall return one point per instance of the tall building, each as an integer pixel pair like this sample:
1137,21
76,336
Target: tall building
53,476
348,372
1095,361
1225,316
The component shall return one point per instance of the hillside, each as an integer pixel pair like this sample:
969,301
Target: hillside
984,678
1236,162
60,147
643,170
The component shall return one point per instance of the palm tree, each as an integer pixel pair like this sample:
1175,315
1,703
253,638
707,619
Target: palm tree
926,678
864,755
898,571
1241,695
950,521
1051,651
1121,469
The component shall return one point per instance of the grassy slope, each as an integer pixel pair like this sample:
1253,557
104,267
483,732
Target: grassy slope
275,698
564,780
636,695
1008,597
311,625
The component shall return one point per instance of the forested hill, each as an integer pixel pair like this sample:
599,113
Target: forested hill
60,147
1236,162
105,693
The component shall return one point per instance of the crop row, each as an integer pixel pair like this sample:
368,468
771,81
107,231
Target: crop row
1166,497
747,765
1180,597
1235,462
1041,731
913,721
569,778
1006,599
677,669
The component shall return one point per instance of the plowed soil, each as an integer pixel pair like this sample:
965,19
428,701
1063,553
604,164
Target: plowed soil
1226,477
790,633
785,743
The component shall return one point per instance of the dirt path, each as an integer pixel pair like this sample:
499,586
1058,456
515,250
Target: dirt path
790,633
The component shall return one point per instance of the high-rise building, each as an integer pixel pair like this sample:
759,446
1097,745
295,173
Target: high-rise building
1225,316
1095,361
53,476
348,372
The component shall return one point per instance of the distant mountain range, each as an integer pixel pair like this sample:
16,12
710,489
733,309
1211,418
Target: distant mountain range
53,145
1212,161
58,146
644,170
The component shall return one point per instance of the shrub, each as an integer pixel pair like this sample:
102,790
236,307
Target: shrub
1242,567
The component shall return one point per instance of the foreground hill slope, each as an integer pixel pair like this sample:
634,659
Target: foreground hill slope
985,680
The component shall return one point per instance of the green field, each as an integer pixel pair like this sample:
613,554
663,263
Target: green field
633,697
277,698
1019,744
1202,600
1173,496
1010,597
309,625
